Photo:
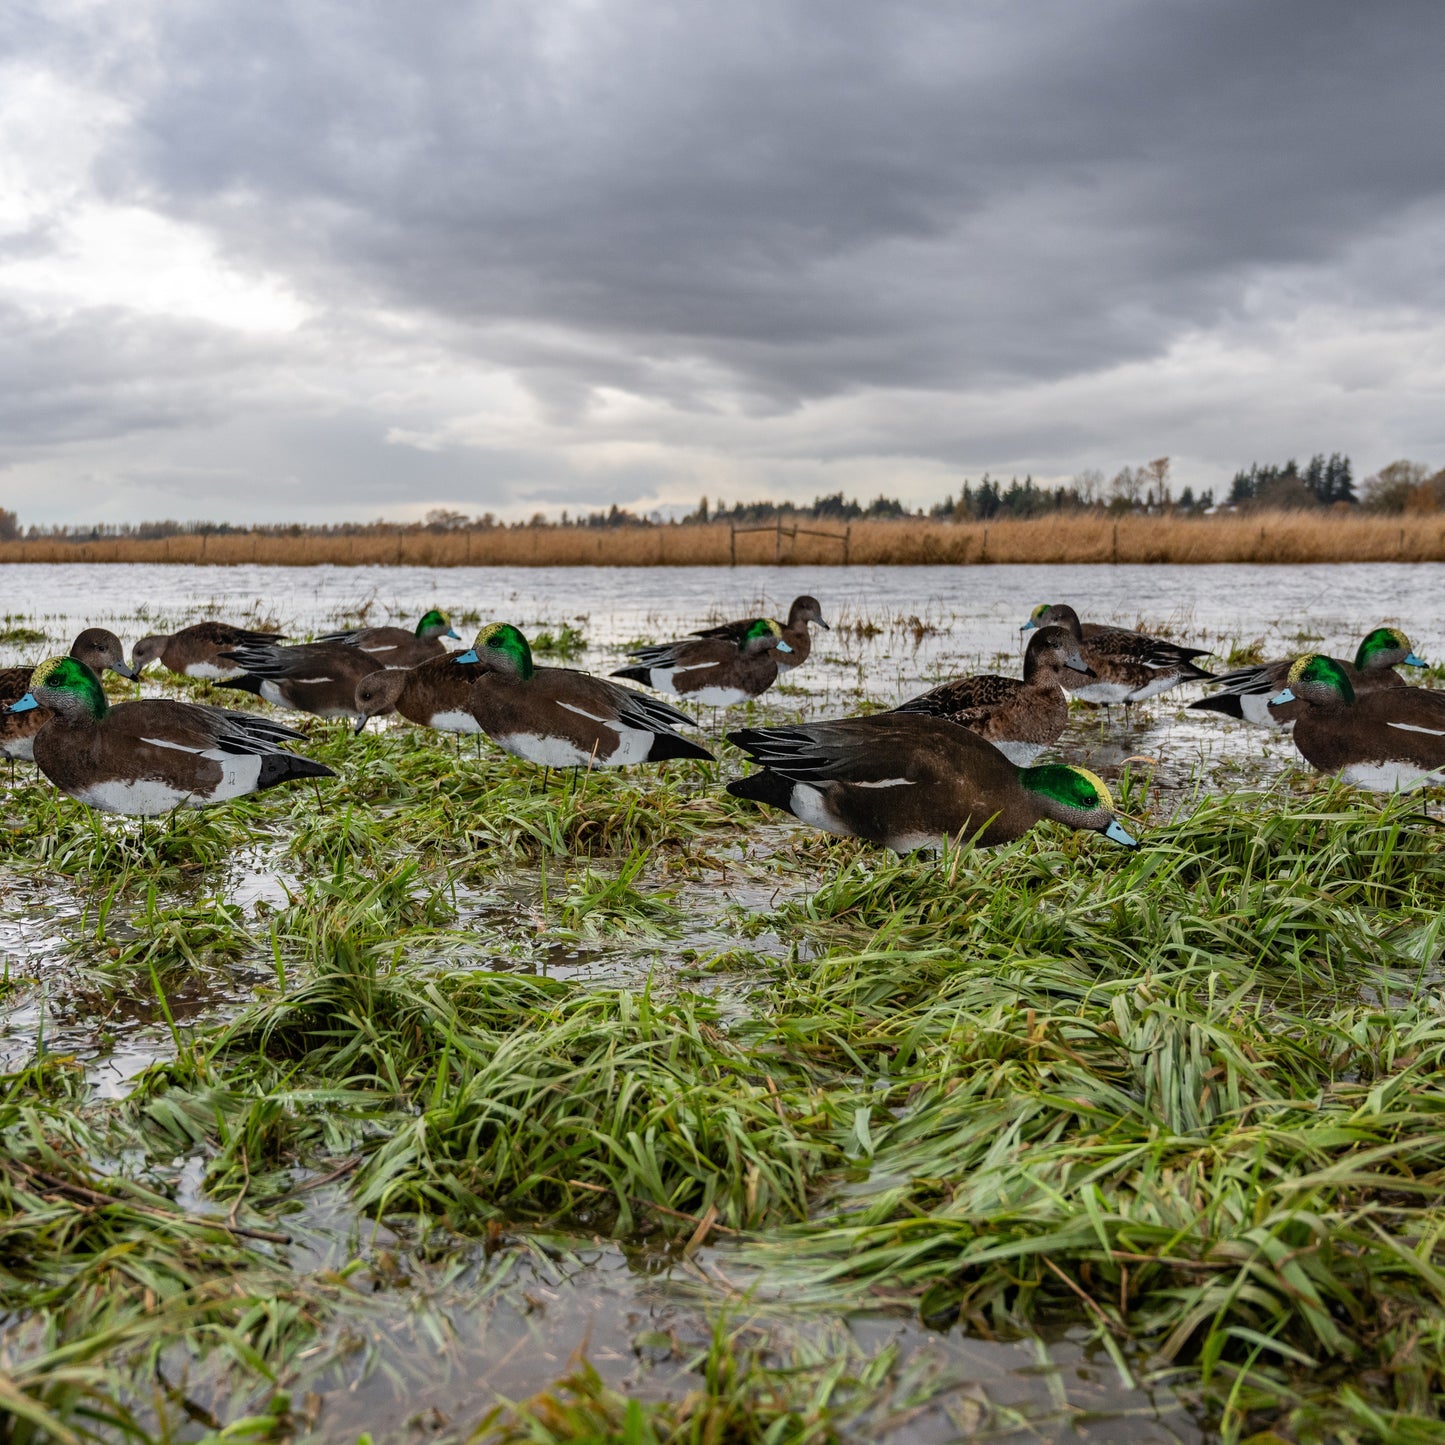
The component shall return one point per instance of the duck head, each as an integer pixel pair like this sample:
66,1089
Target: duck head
762,634
435,624
500,647
1317,679
1386,647
66,686
1055,647
1054,614
1077,798
804,610
377,693
145,652
99,649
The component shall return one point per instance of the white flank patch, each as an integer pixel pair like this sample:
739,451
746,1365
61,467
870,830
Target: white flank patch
546,752
717,696
454,722
1255,707
811,807
213,670
21,749
912,842
1102,692
1390,777
272,694
1160,683
1021,755
1416,728
137,797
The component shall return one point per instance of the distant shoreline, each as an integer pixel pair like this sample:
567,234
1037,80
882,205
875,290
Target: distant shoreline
1059,538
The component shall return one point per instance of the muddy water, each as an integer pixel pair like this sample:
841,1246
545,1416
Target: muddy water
895,631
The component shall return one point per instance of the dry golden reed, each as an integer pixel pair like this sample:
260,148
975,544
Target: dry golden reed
1059,537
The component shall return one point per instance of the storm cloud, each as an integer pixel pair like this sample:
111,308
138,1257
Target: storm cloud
341,259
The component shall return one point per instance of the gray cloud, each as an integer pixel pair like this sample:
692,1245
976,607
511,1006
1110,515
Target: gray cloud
899,217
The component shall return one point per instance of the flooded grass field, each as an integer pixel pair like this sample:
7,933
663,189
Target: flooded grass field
431,1105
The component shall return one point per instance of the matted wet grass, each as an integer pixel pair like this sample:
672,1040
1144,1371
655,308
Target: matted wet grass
431,1104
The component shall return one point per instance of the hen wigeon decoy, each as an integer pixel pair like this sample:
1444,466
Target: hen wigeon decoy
314,677
1246,692
1128,666
559,718
713,671
195,651
1392,739
95,647
436,694
148,757
395,646
910,781
795,631
1020,718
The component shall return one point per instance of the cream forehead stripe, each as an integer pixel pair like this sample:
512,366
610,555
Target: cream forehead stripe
1106,798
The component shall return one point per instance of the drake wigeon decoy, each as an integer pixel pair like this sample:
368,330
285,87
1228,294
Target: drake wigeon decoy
795,631
1392,739
713,671
1246,692
148,757
910,781
195,651
314,677
436,694
95,647
1128,666
395,646
1020,718
559,718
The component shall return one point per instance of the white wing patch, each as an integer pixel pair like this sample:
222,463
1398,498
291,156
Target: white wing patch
179,747
887,783
609,722
1416,728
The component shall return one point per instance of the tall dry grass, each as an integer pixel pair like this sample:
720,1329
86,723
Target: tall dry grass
1062,537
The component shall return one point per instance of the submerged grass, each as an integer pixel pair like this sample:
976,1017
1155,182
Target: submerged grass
1188,1098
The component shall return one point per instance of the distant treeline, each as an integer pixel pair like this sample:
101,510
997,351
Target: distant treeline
1146,490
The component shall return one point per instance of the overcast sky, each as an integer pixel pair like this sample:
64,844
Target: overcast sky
313,260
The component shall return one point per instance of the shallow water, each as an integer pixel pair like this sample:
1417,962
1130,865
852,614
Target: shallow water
896,630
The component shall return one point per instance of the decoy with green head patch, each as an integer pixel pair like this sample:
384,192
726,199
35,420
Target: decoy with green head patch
435,694
910,781
559,718
1021,718
1128,666
198,650
1246,692
795,632
1389,740
315,677
395,646
713,671
96,647
151,756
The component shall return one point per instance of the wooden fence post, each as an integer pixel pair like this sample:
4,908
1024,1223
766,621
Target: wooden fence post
847,542
732,544
778,542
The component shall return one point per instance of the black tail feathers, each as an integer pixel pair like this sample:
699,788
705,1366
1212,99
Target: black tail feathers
764,787
283,767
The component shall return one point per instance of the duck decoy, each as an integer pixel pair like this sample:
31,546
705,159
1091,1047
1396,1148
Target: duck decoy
315,677
196,651
1246,692
1128,666
97,648
1389,740
713,671
435,694
395,646
559,718
908,781
1020,718
795,632
151,756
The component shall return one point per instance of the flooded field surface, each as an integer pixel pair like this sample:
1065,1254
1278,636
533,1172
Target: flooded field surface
430,1101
